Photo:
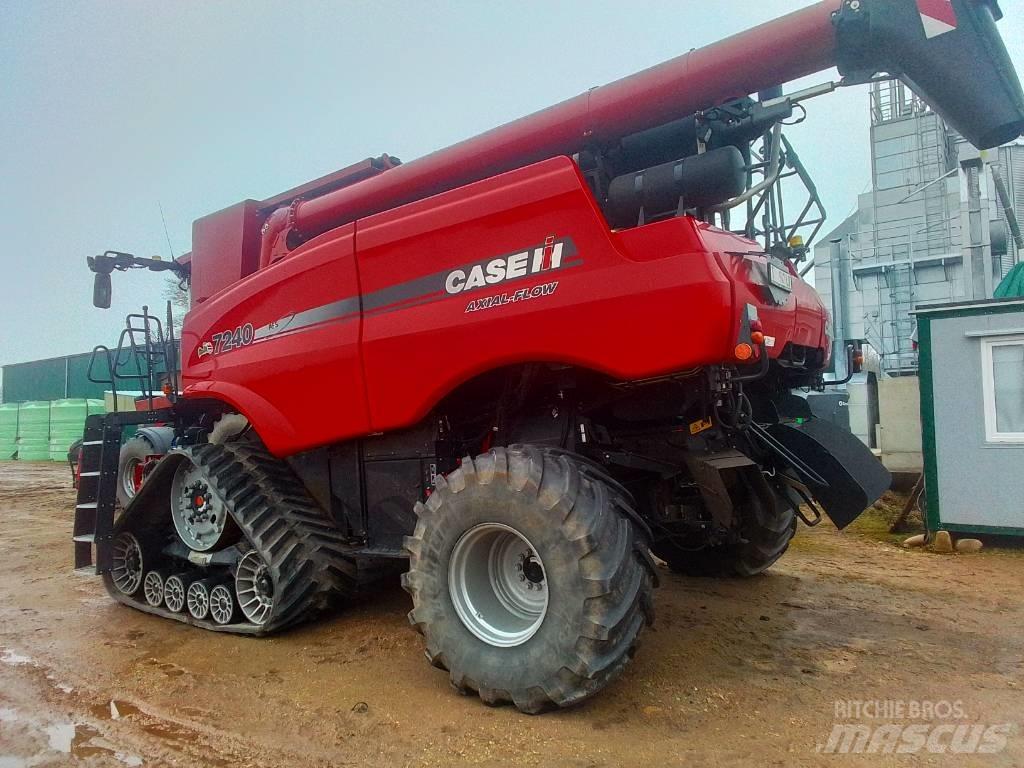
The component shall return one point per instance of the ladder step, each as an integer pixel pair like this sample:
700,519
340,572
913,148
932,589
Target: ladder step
86,505
84,538
92,442
83,556
88,474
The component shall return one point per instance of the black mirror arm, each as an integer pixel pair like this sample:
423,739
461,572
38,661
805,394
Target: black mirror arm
117,260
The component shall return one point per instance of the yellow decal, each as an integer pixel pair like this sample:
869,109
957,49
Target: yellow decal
696,427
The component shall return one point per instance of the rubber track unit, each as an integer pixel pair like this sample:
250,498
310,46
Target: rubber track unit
309,559
594,517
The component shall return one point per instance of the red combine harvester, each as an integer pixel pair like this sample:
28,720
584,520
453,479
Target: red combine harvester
550,351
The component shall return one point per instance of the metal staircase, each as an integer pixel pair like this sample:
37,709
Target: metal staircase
94,511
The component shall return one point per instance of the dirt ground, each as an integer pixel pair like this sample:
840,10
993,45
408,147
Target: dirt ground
733,672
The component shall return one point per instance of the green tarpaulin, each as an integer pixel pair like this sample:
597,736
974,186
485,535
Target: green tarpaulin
1012,286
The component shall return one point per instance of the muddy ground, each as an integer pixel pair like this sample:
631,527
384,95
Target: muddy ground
733,672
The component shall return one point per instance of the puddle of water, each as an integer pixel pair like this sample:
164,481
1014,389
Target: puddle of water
76,739
61,736
62,687
7,656
114,710
15,659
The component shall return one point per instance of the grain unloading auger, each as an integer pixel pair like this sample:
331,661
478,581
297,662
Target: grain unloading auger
522,363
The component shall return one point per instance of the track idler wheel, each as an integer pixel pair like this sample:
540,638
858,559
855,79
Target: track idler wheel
127,566
255,588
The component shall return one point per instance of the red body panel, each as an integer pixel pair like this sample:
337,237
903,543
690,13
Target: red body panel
225,248
356,332
295,386
801,320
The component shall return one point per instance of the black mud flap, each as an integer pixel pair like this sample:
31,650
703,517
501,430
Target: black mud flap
856,479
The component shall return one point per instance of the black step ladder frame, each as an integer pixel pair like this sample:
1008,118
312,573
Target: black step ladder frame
97,487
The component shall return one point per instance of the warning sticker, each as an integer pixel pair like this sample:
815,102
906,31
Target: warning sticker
937,16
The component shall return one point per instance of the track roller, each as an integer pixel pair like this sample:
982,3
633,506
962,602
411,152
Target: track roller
198,597
175,591
222,605
153,588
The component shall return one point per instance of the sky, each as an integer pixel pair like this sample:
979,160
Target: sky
110,111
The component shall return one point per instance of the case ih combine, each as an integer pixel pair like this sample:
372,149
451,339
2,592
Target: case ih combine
550,351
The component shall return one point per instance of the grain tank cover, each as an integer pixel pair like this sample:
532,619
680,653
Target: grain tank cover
948,51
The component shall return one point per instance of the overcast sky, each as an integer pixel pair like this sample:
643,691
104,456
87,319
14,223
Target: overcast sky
109,110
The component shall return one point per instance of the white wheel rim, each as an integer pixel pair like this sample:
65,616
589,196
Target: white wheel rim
153,588
498,585
174,594
126,564
128,477
255,588
222,604
198,513
198,600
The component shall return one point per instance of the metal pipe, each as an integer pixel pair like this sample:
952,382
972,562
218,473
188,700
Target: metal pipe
799,44
774,161
1004,200
849,370
923,187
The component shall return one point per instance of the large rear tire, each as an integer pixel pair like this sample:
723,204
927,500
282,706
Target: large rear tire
522,517
763,537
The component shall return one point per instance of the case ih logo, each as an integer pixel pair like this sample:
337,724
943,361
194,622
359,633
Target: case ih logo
937,16
540,259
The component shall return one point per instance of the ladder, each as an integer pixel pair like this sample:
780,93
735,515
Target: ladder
902,294
93,531
97,494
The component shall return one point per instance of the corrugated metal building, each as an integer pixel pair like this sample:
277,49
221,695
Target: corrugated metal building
57,378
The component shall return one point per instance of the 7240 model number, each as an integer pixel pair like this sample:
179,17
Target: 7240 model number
225,341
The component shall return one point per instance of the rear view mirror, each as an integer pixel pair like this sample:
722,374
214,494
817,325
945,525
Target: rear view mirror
101,290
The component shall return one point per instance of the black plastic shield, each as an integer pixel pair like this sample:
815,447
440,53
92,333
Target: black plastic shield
964,74
856,479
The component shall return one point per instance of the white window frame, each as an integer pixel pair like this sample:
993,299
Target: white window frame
988,386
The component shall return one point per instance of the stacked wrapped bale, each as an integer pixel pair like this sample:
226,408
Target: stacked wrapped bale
8,430
93,406
34,431
67,422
